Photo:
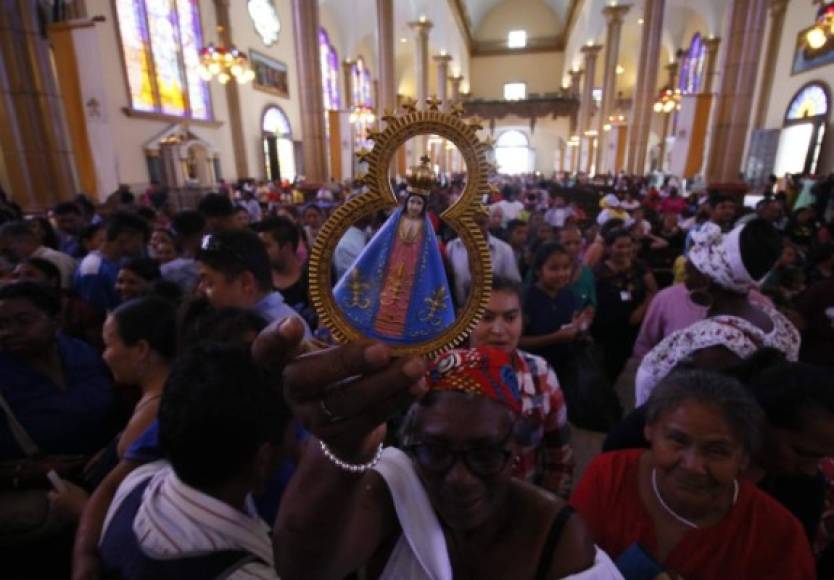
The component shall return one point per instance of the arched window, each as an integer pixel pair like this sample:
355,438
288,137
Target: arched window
692,66
363,92
512,153
279,153
800,141
329,72
161,40
810,101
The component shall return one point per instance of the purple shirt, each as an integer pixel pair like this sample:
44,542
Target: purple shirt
671,310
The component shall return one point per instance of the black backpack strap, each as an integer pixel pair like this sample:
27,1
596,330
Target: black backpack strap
552,540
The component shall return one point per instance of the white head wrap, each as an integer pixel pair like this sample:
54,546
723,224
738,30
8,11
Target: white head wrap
719,256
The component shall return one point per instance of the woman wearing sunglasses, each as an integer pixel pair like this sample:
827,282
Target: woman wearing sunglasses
445,505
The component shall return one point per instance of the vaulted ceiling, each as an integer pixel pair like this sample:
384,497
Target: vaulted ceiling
478,10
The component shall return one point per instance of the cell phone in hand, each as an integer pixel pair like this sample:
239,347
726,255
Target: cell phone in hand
56,481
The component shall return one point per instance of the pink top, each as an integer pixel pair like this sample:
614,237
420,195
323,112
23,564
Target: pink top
671,310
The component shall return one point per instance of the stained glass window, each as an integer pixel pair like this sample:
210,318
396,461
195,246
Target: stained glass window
810,101
363,92
161,40
691,70
329,72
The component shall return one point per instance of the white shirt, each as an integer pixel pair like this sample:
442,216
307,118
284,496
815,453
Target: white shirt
510,209
557,216
175,520
503,264
64,262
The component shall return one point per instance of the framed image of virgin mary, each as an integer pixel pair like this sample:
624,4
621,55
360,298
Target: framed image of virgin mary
396,290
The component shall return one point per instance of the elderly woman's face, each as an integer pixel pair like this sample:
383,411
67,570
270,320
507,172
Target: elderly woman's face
696,453
473,434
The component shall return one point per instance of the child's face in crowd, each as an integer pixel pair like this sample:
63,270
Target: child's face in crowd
130,285
622,249
571,240
555,272
518,236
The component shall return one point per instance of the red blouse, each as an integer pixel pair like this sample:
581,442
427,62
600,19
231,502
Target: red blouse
757,539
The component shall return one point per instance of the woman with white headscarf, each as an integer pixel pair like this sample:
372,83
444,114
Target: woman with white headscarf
722,269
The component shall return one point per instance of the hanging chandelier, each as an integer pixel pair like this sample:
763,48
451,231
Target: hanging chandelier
823,29
668,101
362,115
225,64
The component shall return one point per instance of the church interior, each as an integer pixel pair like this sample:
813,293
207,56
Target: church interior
99,93
416,289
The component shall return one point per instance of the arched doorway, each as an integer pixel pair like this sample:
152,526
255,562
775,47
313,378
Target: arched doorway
512,152
279,155
803,131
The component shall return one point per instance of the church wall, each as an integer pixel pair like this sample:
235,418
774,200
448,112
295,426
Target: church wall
798,16
129,134
253,101
543,140
531,15
541,72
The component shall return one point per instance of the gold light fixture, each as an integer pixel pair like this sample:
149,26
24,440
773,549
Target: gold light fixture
823,29
668,101
362,115
225,64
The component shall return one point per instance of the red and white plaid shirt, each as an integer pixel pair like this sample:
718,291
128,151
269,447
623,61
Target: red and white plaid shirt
548,461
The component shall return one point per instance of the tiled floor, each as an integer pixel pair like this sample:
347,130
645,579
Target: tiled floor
588,444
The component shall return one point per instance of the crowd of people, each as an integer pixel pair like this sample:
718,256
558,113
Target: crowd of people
172,408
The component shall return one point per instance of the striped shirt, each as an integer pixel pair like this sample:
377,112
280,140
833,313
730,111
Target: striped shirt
175,520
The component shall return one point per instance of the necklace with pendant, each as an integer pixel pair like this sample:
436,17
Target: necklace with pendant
672,512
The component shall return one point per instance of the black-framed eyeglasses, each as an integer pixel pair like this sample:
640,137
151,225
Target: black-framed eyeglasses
481,460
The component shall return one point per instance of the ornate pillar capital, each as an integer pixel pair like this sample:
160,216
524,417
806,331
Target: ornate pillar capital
421,27
614,13
590,50
777,8
712,42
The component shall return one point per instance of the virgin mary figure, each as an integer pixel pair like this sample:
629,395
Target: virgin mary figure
396,289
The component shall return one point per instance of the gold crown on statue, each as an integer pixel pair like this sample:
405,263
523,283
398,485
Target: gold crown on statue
421,179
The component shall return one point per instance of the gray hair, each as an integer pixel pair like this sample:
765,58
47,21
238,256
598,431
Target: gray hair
737,405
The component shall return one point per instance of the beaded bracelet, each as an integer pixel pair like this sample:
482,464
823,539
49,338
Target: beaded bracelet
351,467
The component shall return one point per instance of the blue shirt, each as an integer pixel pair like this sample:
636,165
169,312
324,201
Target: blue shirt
95,282
546,315
70,420
272,307
183,272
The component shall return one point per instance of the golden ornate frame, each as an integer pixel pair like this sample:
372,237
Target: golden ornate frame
400,128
